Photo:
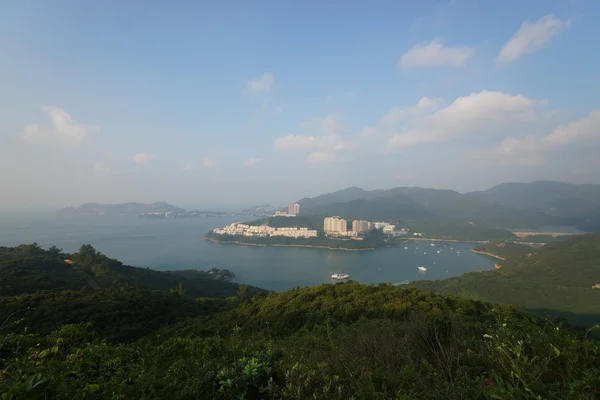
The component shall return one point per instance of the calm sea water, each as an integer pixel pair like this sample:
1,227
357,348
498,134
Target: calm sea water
169,244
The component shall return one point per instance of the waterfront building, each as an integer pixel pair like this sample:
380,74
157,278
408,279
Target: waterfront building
335,225
360,227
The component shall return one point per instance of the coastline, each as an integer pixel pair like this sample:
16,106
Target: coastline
485,253
290,245
444,240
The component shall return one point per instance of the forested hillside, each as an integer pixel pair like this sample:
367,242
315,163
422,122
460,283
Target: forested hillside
29,268
414,204
556,198
335,341
556,278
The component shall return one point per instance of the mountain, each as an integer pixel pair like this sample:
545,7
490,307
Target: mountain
119,209
556,278
375,209
425,205
555,198
340,196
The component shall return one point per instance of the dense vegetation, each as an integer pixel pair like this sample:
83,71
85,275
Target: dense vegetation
504,249
375,239
465,232
29,268
556,278
338,341
335,341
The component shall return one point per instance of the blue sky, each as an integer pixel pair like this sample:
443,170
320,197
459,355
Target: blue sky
232,103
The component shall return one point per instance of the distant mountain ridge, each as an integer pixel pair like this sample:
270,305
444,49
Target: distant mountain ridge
425,204
120,209
556,198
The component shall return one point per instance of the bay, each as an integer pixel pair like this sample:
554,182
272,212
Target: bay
171,244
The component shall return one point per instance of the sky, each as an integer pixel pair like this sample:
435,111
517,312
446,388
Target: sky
232,103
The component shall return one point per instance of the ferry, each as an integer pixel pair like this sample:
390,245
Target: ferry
340,276
422,268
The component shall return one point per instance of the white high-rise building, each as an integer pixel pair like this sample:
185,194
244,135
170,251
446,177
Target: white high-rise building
294,209
335,225
361,226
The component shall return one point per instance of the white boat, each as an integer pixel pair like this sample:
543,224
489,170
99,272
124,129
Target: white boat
422,268
432,244
406,248
438,252
340,276
424,252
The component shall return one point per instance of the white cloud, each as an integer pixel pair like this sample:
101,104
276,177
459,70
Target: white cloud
434,54
476,113
143,158
395,115
302,142
101,169
537,150
63,129
531,36
207,162
251,161
326,146
328,125
262,84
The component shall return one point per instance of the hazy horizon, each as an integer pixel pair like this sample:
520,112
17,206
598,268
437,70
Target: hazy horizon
228,105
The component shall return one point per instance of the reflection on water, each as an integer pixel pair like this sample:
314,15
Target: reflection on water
178,244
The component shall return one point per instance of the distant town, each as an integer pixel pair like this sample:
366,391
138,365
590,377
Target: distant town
333,227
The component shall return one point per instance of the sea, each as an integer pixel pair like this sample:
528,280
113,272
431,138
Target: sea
174,244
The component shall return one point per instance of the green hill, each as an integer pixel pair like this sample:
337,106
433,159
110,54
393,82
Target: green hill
555,198
29,268
557,277
414,204
327,342
333,341
504,249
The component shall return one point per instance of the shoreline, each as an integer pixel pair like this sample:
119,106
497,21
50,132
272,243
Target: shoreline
291,245
485,253
444,240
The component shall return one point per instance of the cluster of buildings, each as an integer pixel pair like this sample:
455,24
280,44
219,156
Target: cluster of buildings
293,210
265,231
336,226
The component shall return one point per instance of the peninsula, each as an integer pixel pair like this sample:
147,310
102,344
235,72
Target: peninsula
364,235
244,234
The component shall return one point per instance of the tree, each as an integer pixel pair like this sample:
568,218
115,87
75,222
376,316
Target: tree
242,292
